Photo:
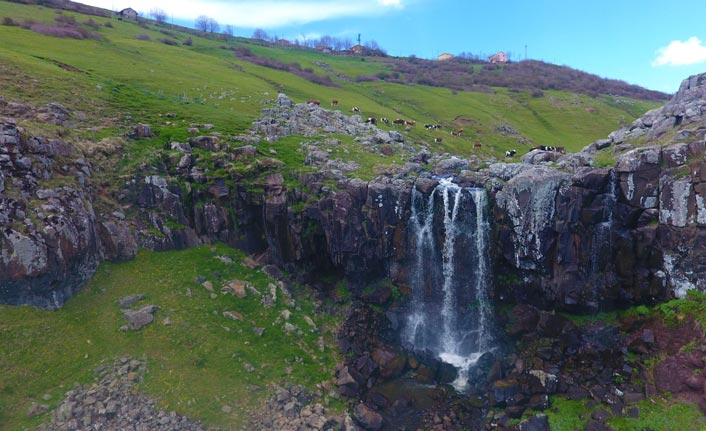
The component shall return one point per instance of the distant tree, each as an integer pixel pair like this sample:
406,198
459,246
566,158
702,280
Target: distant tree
373,48
213,25
326,41
228,31
201,23
158,14
260,34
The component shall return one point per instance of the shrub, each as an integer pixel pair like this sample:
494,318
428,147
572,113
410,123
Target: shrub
66,21
8,21
537,93
187,42
143,37
170,42
92,24
49,30
108,24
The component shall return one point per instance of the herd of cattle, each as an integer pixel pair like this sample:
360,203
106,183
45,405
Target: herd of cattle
457,132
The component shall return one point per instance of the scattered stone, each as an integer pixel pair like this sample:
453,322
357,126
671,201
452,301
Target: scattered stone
289,328
249,368
112,403
140,318
251,263
367,417
236,288
166,321
225,259
37,409
207,285
232,315
226,409
130,300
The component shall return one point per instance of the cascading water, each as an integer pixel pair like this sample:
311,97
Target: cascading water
450,312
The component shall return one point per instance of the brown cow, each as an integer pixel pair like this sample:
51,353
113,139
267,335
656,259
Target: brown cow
410,122
457,132
398,121
477,145
313,102
437,140
334,102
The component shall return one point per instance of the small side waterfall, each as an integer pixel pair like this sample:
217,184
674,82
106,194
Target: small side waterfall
450,312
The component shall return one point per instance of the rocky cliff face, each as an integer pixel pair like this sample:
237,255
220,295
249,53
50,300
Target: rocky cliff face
51,240
579,238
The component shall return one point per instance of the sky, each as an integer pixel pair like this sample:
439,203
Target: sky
649,42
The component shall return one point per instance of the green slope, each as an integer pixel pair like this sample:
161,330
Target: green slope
120,75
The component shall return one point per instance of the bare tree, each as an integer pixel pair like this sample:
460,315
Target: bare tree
213,25
260,34
158,14
228,31
201,23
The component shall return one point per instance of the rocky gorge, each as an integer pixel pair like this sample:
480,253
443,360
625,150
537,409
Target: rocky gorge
563,235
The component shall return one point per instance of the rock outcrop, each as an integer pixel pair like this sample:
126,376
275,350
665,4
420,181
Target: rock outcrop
582,240
50,243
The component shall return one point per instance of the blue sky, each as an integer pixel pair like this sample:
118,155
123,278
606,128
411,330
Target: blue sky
650,42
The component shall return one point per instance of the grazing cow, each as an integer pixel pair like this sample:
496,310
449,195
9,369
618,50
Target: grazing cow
410,123
458,132
560,150
437,140
428,126
510,153
385,120
398,121
313,102
437,126
477,145
334,102
370,120
355,109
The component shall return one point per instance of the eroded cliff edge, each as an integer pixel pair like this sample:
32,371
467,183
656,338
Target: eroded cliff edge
564,236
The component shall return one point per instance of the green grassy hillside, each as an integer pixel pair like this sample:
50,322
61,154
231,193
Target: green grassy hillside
128,71
196,363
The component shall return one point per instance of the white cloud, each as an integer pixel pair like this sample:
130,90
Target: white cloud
678,53
266,14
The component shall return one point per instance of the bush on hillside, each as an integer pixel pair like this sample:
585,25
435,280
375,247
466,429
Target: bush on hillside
65,21
108,24
56,31
188,42
92,24
8,21
170,42
529,75
244,53
143,37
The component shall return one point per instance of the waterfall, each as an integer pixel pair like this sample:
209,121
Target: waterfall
450,312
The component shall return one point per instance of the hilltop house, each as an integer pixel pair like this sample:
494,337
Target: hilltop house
445,56
357,49
128,13
499,57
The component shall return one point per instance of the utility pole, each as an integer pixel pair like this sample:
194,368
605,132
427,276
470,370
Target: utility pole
525,51
358,38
